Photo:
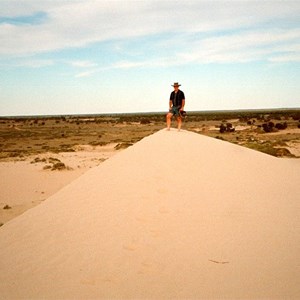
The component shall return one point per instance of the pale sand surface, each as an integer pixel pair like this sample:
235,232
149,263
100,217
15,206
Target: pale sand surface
25,184
177,215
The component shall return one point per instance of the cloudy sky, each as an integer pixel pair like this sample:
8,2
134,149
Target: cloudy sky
95,56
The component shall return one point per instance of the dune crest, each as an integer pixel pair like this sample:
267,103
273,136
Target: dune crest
177,215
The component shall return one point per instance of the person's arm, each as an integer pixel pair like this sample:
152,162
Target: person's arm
182,105
171,101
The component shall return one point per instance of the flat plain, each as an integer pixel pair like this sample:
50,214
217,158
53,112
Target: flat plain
26,136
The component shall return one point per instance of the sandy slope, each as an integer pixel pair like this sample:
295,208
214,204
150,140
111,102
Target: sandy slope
177,215
25,184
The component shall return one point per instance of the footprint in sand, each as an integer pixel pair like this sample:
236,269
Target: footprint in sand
109,279
131,246
163,210
88,281
150,267
155,232
146,218
143,219
162,191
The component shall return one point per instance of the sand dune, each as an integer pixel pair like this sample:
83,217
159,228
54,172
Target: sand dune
35,184
177,215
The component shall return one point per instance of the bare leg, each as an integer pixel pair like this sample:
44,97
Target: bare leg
179,122
169,117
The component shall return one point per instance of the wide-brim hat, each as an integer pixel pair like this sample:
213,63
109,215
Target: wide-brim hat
176,84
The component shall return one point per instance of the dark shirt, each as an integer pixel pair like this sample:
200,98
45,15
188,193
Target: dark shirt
177,98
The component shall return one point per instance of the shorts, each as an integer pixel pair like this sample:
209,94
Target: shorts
175,111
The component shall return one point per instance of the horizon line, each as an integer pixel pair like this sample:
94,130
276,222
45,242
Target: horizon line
148,113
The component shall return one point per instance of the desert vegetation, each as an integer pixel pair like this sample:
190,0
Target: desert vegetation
271,132
268,131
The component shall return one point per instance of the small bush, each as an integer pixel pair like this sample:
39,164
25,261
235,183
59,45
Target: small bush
226,128
145,121
123,146
97,143
270,149
53,160
220,138
281,126
58,166
37,160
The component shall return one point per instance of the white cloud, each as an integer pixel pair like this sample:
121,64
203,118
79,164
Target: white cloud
85,74
129,64
242,46
35,63
288,57
273,46
26,62
79,23
83,64
277,46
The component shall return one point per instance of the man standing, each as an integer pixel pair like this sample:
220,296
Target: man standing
176,105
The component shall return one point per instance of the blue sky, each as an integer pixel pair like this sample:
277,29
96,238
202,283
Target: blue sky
94,56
